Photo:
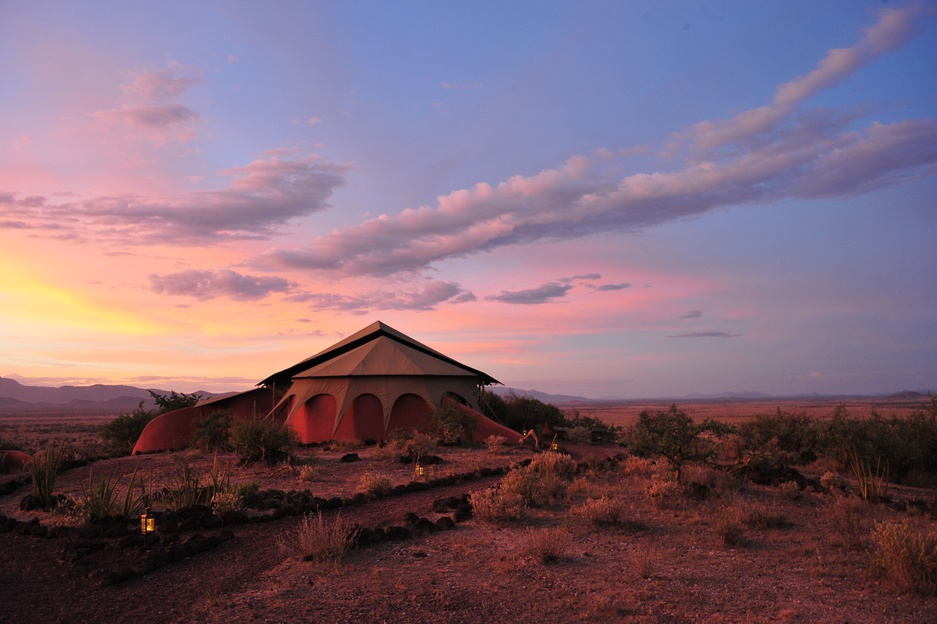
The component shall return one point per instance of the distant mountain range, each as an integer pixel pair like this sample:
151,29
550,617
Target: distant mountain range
15,397
904,395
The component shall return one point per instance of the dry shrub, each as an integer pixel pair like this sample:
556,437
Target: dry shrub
495,444
642,562
374,484
580,488
497,506
223,502
727,524
699,473
580,435
832,481
309,472
761,516
386,452
318,540
790,490
845,515
905,553
634,465
345,446
419,445
552,462
603,512
663,488
536,489
546,545
730,448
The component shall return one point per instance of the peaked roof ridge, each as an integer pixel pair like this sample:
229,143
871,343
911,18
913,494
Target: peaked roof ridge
372,332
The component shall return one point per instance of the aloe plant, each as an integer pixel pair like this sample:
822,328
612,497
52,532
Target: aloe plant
43,467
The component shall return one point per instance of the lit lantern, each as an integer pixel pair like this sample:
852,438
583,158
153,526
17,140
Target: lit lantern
420,471
147,524
555,446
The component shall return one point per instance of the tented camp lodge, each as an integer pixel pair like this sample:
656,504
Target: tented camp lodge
363,387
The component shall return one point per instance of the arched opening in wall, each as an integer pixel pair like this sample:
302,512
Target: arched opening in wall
458,398
314,420
409,411
364,420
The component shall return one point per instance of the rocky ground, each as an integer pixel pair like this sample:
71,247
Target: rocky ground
669,559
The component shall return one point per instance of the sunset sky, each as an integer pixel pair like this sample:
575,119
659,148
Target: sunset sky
628,199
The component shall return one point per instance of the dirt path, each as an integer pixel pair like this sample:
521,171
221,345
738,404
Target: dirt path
36,587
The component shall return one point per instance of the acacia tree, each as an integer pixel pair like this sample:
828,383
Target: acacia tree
174,400
673,435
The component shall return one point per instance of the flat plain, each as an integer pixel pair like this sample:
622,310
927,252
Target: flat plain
724,550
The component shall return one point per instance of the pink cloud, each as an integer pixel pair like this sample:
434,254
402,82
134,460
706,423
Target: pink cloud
148,108
205,285
894,28
581,198
261,198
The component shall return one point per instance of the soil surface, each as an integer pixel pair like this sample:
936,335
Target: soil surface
666,560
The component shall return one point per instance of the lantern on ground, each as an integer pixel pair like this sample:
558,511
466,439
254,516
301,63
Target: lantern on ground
420,471
147,524
554,447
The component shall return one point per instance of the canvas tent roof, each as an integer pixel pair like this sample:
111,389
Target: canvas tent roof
394,348
383,356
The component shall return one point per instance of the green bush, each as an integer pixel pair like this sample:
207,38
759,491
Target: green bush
674,436
212,433
124,431
523,412
449,424
791,438
265,440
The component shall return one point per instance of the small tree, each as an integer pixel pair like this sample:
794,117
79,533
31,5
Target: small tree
174,400
124,431
211,433
674,435
264,440
450,424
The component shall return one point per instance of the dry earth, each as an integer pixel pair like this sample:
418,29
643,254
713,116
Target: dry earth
666,562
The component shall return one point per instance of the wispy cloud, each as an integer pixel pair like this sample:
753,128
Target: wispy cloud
148,109
692,314
421,299
460,86
261,198
815,155
608,287
894,28
706,334
542,294
203,285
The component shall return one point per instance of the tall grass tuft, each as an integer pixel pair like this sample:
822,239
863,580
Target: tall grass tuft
185,492
43,468
318,540
872,484
101,497
546,545
906,555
